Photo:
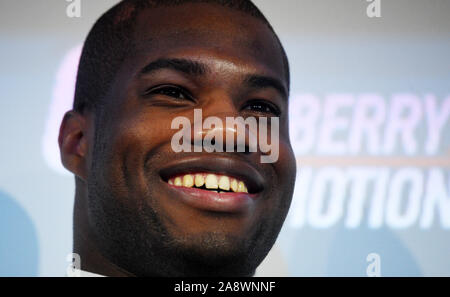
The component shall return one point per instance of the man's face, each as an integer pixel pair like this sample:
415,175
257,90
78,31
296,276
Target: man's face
206,57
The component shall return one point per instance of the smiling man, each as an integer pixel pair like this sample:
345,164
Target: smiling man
142,209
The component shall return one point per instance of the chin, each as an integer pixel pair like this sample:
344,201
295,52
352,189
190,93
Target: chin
145,246
217,254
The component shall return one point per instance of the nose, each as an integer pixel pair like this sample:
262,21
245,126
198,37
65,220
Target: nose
224,132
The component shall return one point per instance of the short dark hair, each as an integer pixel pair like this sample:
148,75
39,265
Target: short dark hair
110,40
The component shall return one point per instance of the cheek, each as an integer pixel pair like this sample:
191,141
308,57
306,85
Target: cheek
286,164
286,170
281,177
129,142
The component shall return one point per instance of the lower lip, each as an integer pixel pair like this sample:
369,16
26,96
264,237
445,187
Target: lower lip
212,201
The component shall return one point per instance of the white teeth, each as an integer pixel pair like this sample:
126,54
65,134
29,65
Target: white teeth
234,185
178,182
242,188
211,181
199,180
224,183
188,181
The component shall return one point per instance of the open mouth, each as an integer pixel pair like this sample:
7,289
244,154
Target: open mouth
210,182
214,183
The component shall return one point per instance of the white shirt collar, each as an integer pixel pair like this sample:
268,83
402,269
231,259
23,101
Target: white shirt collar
81,273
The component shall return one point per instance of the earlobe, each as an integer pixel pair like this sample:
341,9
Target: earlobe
73,143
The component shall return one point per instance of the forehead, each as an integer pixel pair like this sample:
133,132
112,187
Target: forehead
199,29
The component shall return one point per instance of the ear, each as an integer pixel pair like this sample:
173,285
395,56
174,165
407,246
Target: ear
73,143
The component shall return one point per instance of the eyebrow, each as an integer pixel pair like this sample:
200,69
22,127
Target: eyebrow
198,69
181,65
260,81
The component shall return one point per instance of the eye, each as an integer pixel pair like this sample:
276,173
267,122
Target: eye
170,91
262,106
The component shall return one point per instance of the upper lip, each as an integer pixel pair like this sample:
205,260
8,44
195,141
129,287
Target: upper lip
217,165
